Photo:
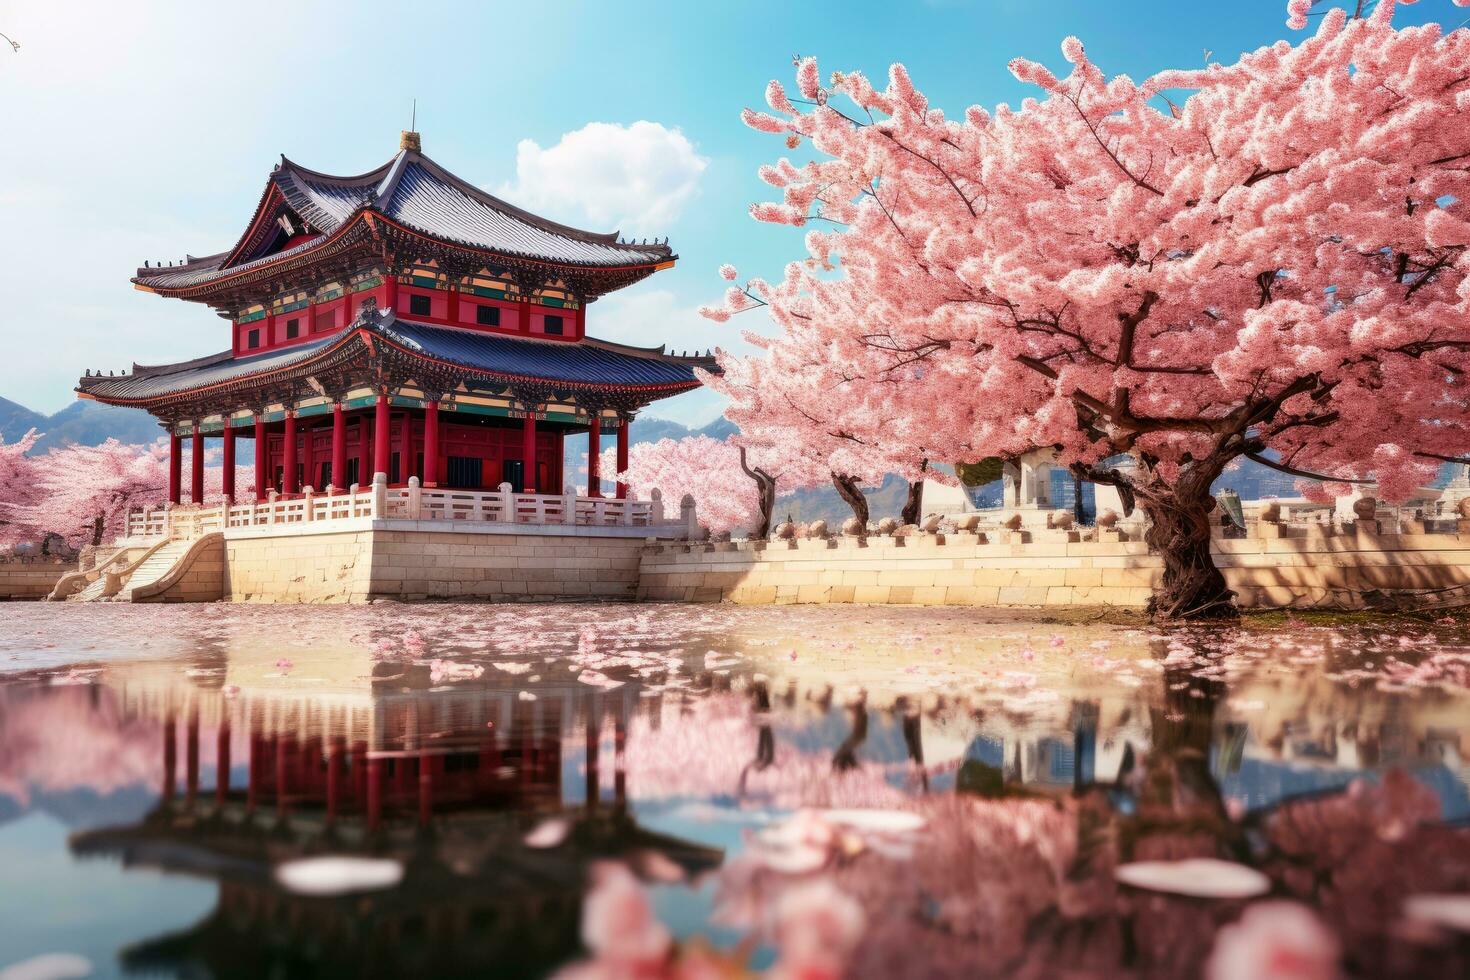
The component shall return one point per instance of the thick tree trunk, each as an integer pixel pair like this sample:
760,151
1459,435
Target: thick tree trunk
766,489
765,485
1179,532
913,506
848,488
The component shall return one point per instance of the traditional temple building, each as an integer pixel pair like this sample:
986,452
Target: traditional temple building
403,322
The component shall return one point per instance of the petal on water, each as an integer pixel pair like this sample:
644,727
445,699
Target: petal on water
1450,911
339,875
1196,877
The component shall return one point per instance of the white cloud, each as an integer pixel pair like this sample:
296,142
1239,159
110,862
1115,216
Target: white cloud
635,178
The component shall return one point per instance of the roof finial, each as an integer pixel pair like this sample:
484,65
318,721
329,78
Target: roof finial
408,139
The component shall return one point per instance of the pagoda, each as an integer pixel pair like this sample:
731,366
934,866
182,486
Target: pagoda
401,322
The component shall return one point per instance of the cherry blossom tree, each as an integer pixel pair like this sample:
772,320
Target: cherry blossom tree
17,490
1264,259
822,413
707,469
85,492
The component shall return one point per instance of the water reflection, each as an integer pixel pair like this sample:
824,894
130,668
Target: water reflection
1035,785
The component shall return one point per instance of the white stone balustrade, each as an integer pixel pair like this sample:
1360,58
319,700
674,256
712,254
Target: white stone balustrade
413,502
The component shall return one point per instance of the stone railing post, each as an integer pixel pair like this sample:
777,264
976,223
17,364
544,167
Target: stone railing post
569,507
307,494
380,496
656,506
627,515
415,498
168,520
507,503
688,518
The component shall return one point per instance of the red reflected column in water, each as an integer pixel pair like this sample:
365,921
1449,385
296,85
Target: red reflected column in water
334,780
170,757
283,761
426,788
191,757
222,762
374,793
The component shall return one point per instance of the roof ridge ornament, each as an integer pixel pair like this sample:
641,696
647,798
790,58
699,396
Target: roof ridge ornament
410,140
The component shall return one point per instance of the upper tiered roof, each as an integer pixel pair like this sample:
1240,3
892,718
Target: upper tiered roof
411,207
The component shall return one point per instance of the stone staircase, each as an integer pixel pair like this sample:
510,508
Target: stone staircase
154,567
132,582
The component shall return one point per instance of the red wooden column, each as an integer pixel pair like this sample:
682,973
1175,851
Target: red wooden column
623,434
175,466
380,436
196,465
431,443
308,457
288,456
528,451
262,458
594,456
339,447
227,476
405,449
451,308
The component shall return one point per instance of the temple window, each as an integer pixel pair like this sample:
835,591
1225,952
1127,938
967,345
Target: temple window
418,305
252,339
293,328
487,316
552,325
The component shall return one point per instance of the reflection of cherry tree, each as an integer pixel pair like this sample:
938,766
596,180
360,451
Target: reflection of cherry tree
719,747
69,737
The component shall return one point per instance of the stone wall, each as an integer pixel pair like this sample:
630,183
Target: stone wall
331,566
418,564
362,559
24,579
1048,568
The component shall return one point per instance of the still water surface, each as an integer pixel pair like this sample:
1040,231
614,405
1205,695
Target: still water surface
161,766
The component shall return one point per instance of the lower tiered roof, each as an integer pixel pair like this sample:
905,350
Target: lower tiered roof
388,350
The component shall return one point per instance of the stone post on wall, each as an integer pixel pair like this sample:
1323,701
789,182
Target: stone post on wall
689,519
415,498
380,495
307,493
569,505
507,503
656,510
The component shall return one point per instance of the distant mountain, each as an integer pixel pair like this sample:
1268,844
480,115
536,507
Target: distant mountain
82,423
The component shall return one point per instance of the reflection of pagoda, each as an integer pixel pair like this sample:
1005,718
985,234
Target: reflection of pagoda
447,782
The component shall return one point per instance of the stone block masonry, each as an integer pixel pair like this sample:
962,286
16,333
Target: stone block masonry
362,559
1052,568
23,578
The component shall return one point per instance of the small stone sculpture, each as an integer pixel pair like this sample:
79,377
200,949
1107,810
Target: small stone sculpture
817,529
1061,518
1107,519
785,531
1271,513
1365,508
887,526
931,523
854,528
1012,523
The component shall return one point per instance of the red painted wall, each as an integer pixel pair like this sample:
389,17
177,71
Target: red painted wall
515,318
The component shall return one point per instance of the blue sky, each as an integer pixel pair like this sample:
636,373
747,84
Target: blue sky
145,130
